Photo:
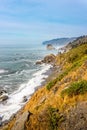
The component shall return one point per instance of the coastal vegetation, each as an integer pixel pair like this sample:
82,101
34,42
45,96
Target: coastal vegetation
62,103
74,58
54,118
75,88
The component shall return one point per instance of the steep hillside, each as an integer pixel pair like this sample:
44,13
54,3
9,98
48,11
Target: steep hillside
62,103
78,41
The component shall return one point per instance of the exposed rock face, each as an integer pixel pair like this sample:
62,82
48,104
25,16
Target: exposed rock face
20,123
76,118
49,59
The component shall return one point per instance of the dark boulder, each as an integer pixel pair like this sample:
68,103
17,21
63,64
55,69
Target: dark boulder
25,99
49,59
38,62
3,95
50,47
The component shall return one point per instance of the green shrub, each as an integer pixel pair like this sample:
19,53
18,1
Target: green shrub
51,84
75,88
54,118
59,78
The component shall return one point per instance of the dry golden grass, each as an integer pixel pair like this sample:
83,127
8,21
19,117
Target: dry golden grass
43,98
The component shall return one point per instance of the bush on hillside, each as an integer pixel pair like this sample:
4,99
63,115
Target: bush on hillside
55,118
75,88
53,82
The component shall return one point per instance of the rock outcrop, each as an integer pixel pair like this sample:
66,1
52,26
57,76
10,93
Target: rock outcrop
76,118
3,95
49,59
20,123
39,62
50,47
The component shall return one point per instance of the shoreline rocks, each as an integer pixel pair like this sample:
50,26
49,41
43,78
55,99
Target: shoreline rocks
49,59
25,98
50,47
3,95
39,62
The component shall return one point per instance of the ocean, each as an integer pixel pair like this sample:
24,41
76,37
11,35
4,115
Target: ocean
20,76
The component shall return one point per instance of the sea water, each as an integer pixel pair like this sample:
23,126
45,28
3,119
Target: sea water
20,76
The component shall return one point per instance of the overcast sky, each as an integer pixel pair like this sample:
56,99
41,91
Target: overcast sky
33,21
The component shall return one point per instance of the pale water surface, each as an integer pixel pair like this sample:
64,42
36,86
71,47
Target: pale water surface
20,76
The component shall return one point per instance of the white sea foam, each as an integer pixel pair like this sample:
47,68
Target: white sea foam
3,71
15,101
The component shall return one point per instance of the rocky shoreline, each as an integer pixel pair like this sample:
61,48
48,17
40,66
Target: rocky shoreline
49,59
61,103
52,73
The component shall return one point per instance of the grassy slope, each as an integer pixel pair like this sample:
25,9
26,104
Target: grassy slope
47,106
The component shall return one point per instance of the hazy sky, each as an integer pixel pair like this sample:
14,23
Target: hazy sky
33,21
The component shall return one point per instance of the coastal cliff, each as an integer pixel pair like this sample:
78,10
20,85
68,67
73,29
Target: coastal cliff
59,41
62,103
